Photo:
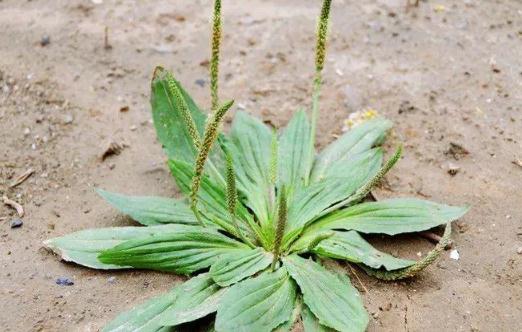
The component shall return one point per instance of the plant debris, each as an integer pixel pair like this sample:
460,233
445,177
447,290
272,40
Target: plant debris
357,118
18,207
434,238
113,148
19,180
456,151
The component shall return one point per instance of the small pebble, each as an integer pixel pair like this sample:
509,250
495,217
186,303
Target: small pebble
519,250
64,281
454,254
68,119
200,82
45,40
15,223
111,280
453,169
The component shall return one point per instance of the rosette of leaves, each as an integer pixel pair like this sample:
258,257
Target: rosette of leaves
262,218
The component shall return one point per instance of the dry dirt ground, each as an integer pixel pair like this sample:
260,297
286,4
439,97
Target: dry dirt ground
446,72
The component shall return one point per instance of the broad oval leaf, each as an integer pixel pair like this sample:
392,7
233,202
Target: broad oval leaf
83,247
259,304
312,200
197,298
392,216
315,200
250,143
363,166
144,317
352,247
294,152
311,323
331,298
357,140
233,267
185,251
170,128
150,210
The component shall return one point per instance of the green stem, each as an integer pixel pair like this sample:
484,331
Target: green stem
320,54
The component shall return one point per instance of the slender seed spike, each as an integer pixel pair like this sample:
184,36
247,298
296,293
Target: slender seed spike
232,194
184,111
411,271
231,184
320,55
320,237
322,33
367,187
211,133
281,224
214,60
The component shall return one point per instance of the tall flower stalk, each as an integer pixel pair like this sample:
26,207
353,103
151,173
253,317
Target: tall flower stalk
320,55
214,59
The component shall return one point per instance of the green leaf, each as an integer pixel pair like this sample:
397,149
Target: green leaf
250,144
144,317
170,128
311,323
352,247
236,266
392,216
314,201
259,304
186,250
294,152
197,298
416,268
357,140
289,324
150,210
331,298
212,198
83,247
363,165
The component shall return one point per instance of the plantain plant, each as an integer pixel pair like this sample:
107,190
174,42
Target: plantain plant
263,220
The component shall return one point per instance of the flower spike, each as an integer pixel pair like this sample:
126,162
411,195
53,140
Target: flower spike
211,133
184,111
214,60
280,228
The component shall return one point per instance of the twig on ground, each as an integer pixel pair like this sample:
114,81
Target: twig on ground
19,208
358,279
22,178
106,44
434,238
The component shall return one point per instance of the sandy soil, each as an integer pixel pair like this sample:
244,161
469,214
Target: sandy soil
446,72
